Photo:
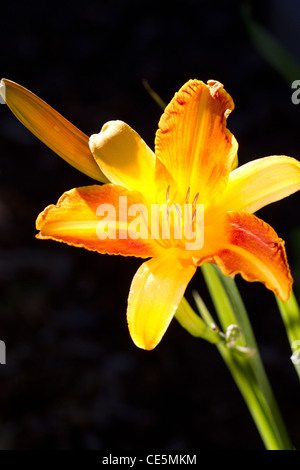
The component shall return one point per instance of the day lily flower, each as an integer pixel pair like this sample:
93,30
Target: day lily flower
193,163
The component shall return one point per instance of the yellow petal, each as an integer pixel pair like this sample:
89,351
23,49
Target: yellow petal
155,293
193,143
260,182
124,157
95,218
250,247
51,128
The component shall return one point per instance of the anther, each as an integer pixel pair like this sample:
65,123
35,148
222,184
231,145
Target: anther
187,195
178,210
195,200
167,195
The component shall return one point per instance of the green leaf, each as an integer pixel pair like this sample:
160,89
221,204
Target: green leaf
270,49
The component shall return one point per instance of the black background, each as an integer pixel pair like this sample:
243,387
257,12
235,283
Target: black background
73,378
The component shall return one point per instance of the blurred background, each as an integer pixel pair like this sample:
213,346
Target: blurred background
73,378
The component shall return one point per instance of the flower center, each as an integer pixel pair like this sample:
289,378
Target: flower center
180,224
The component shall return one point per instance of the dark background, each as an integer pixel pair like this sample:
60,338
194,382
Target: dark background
73,378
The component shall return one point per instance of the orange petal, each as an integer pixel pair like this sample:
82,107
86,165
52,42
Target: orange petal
51,128
124,157
252,248
193,143
95,218
260,182
155,293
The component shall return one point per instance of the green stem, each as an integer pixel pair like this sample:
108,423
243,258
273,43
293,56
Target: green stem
221,301
264,409
290,313
191,322
243,375
257,364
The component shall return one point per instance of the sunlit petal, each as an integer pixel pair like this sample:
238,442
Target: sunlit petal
83,216
252,248
261,182
51,128
124,157
192,141
155,293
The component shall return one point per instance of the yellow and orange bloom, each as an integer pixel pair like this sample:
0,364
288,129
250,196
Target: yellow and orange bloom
193,164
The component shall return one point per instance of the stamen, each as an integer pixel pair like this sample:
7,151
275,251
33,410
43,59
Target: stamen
178,210
195,200
167,195
187,195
